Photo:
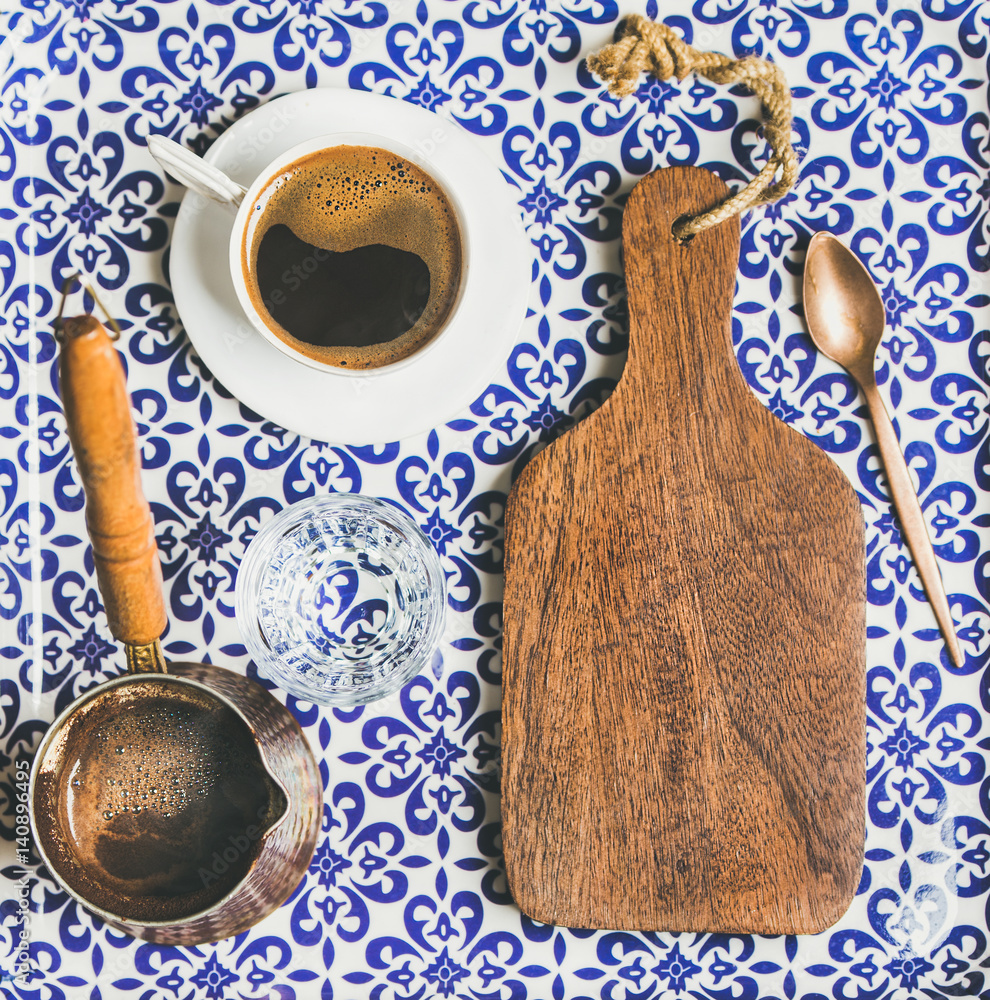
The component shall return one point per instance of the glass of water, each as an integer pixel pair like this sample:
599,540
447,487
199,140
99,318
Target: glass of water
341,599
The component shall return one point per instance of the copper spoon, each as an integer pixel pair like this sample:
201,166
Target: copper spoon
846,318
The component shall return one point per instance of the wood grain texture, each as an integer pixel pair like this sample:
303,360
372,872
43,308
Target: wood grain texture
683,741
101,429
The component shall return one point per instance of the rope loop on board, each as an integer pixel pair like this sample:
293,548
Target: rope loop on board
654,47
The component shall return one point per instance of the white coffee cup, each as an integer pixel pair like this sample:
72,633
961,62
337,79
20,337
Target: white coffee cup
379,404
207,180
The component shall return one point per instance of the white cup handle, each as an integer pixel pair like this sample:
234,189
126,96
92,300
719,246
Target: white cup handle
195,173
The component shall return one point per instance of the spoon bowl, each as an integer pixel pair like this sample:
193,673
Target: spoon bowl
842,305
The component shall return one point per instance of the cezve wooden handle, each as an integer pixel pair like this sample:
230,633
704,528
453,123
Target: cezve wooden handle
101,429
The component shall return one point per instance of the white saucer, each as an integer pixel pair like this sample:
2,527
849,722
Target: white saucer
382,406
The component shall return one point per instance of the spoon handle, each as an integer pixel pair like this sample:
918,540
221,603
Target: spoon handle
912,520
198,175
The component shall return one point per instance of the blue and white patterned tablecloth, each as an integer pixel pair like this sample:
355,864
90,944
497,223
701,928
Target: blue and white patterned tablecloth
406,896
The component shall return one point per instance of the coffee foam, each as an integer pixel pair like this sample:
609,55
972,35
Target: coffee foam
140,793
346,197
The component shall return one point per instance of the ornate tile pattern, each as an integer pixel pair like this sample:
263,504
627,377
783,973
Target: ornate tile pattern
406,897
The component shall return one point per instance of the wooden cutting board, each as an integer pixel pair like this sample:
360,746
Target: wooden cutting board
683,709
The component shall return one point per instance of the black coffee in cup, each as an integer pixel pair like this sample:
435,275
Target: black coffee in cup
352,256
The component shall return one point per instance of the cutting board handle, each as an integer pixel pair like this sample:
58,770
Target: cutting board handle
121,528
695,277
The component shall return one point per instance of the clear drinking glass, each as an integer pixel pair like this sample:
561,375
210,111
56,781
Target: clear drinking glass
341,599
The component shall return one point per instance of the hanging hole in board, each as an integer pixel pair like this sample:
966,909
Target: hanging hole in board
676,231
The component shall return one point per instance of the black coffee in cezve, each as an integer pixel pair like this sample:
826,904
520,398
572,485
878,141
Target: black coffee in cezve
352,256
158,807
